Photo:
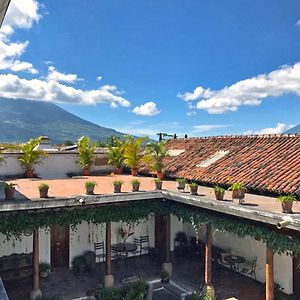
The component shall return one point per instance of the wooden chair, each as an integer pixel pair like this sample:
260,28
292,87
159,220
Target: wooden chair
250,268
99,251
145,244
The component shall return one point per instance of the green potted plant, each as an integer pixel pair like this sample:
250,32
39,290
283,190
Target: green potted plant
219,192
193,188
116,154
287,202
117,186
43,189
89,187
9,190
238,191
44,269
180,183
31,156
135,185
164,276
155,154
133,153
158,183
86,151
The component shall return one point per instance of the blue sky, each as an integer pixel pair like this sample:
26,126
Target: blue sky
196,67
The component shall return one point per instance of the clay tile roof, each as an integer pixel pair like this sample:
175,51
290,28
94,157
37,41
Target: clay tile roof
262,162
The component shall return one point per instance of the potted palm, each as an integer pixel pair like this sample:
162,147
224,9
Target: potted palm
238,191
158,183
180,183
43,190
31,156
135,185
287,202
89,187
86,151
9,190
117,186
219,192
44,270
133,153
116,154
154,157
193,188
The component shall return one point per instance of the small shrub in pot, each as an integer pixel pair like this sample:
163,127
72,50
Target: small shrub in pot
117,186
44,270
43,189
9,190
158,183
180,182
219,192
164,276
238,191
135,185
287,202
194,188
89,187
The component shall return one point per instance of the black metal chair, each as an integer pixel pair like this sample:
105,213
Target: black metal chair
250,268
137,243
99,251
145,244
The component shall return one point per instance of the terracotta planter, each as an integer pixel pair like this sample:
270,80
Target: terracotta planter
117,188
180,185
160,175
9,193
134,171
29,173
44,192
194,190
135,187
90,190
86,172
238,194
118,171
287,207
219,195
158,185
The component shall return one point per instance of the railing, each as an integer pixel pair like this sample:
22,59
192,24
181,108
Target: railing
3,294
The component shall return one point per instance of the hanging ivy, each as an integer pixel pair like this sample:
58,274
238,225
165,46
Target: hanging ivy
15,224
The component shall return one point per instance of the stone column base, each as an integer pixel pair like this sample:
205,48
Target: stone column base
167,266
108,281
35,294
209,289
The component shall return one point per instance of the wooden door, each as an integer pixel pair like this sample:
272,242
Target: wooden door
160,236
296,276
59,246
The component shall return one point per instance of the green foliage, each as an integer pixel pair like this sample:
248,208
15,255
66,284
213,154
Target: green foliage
90,184
86,151
68,143
79,264
116,153
117,182
219,189
181,180
164,275
286,198
155,155
193,184
43,186
30,155
133,152
135,181
9,185
199,296
236,186
157,180
44,267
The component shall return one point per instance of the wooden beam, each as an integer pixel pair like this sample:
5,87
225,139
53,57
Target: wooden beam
208,254
108,249
167,219
36,261
269,274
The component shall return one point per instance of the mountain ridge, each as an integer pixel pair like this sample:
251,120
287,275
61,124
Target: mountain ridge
22,119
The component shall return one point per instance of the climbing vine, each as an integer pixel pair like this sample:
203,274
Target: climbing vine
14,225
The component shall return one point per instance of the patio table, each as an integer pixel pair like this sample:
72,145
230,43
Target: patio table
124,248
235,261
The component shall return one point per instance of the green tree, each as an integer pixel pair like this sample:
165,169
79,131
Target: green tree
116,153
86,149
31,155
156,152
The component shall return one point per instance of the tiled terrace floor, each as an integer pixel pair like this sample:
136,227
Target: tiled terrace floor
69,187
188,272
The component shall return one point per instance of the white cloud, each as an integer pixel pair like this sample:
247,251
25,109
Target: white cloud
190,113
208,127
12,86
298,23
20,14
55,75
99,78
278,129
148,109
247,92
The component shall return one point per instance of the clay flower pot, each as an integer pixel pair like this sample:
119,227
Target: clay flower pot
136,186
117,186
180,184
89,187
9,193
29,173
194,189
134,171
86,172
44,192
219,195
287,207
158,185
238,194
118,171
160,175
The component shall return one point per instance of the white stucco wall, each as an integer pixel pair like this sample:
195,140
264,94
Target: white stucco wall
56,165
250,248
